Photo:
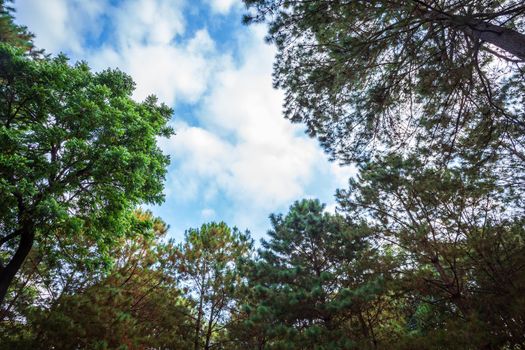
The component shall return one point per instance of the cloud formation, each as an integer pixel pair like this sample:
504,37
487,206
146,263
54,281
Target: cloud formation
172,72
243,148
61,25
234,158
149,42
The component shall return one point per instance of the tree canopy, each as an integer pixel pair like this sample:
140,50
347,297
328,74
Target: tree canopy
77,153
13,33
207,267
425,250
310,283
425,98
373,77
136,303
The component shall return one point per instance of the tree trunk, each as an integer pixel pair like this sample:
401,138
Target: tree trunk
8,273
198,325
365,330
201,311
504,38
210,326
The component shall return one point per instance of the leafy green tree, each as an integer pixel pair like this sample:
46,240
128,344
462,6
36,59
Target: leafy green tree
373,77
317,284
207,267
77,153
62,264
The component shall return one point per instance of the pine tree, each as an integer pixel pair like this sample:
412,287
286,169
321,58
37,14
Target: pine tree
207,267
13,34
134,304
374,77
317,283
461,241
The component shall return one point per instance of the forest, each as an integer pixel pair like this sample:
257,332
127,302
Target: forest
426,98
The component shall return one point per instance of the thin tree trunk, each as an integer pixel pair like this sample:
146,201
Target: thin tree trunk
210,326
200,313
364,329
198,324
8,273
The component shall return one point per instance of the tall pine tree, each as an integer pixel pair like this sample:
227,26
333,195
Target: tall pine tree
317,284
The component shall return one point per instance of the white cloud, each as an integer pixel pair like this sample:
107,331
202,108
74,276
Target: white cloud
223,6
61,25
148,45
244,149
241,153
207,213
145,38
199,156
151,22
171,72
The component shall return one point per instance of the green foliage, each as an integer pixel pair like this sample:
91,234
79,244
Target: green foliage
12,33
77,153
462,244
67,132
426,97
207,263
135,305
316,283
372,77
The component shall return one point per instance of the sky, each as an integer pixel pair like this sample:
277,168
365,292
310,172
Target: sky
234,157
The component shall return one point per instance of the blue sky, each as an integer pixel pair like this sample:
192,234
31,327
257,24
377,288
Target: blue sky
234,157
